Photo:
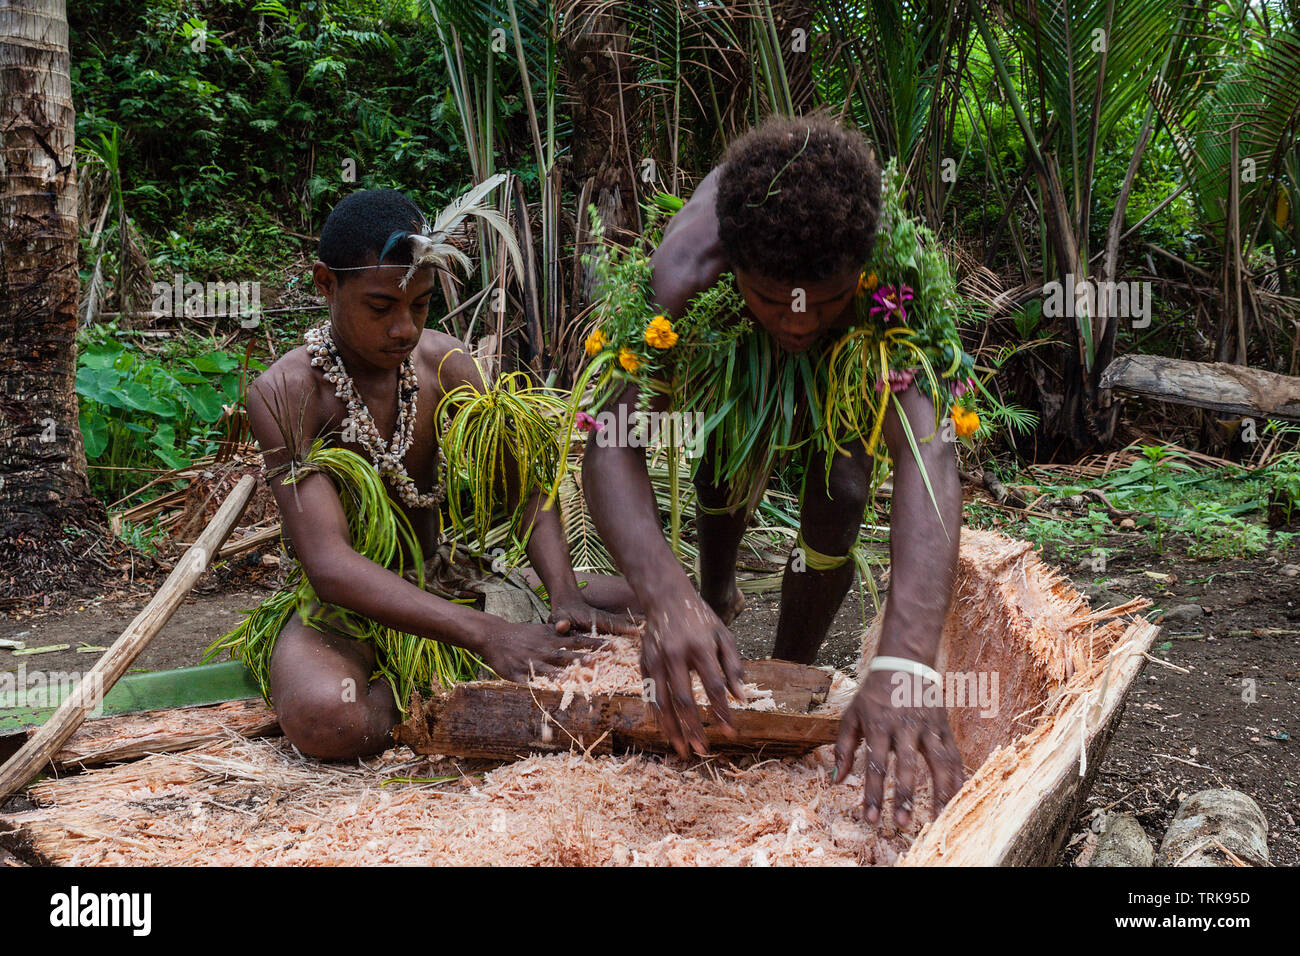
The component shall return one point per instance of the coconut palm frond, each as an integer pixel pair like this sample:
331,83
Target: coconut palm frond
587,550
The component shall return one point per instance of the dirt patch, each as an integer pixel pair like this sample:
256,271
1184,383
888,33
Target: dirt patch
199,621
1231,717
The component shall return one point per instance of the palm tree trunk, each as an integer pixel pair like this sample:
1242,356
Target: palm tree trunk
42,462
599,75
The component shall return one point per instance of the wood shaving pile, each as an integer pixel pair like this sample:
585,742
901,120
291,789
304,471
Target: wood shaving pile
256,802
616,669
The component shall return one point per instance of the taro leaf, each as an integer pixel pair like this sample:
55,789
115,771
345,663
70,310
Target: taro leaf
138,397
94,432
214,363
172,457
205,401
100,355
164,436
100,385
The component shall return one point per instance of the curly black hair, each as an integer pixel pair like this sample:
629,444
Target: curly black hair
360,226
798,199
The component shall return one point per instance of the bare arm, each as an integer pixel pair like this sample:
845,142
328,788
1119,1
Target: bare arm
683,634
923,542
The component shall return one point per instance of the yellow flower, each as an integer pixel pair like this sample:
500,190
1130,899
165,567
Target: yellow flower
660,334
628,359
595,342
867,282
965,420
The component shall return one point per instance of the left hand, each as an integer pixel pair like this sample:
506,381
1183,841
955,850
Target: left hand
910,732
575,614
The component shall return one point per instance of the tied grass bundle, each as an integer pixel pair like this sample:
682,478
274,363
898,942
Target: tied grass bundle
380,531
499,442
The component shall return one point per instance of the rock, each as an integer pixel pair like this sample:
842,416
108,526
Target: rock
1100,596
1183,614
1210,822
1123,842
1291,570
1128,524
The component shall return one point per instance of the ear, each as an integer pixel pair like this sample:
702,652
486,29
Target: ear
325,279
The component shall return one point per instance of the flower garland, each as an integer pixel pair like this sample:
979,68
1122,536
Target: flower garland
388,461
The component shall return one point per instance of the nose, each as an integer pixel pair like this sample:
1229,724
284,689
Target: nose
403,329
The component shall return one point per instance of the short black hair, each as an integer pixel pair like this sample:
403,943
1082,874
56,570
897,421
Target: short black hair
359,227
798,199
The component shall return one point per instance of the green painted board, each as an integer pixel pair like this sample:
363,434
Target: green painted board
153,690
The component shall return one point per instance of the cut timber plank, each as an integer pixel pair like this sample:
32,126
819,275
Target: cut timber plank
1234,389
500,720
1016,809
111,739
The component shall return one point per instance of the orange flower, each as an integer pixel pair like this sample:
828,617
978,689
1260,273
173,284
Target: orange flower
628,359
965,420
866,282
660,334
595,342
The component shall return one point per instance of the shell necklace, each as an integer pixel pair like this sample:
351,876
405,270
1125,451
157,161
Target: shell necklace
359,423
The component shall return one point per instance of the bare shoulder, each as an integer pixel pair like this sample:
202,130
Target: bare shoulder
690,257
284,401
447,361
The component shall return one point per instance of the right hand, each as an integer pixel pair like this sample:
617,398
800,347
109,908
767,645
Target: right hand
516,652
682,636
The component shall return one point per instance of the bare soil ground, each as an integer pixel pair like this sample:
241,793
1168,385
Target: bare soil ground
1228,717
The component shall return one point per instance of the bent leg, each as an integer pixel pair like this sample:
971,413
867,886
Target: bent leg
829,521
323,696
609,592
719,533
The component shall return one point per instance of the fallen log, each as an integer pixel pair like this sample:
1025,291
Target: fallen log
1216,828
112,739
1123,842
1234,389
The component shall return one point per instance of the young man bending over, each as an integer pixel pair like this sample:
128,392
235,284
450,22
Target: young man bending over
791,209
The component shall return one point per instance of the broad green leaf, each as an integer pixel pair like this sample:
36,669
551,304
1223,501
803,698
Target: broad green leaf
205,401
212,363
94,432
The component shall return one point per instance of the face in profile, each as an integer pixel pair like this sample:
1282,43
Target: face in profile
775,303
373,315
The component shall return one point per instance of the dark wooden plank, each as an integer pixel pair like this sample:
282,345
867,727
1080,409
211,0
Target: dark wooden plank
795,687
500,720
1233,389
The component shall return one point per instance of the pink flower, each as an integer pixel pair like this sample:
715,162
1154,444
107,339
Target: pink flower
899,381
586,423
890,298
961,388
